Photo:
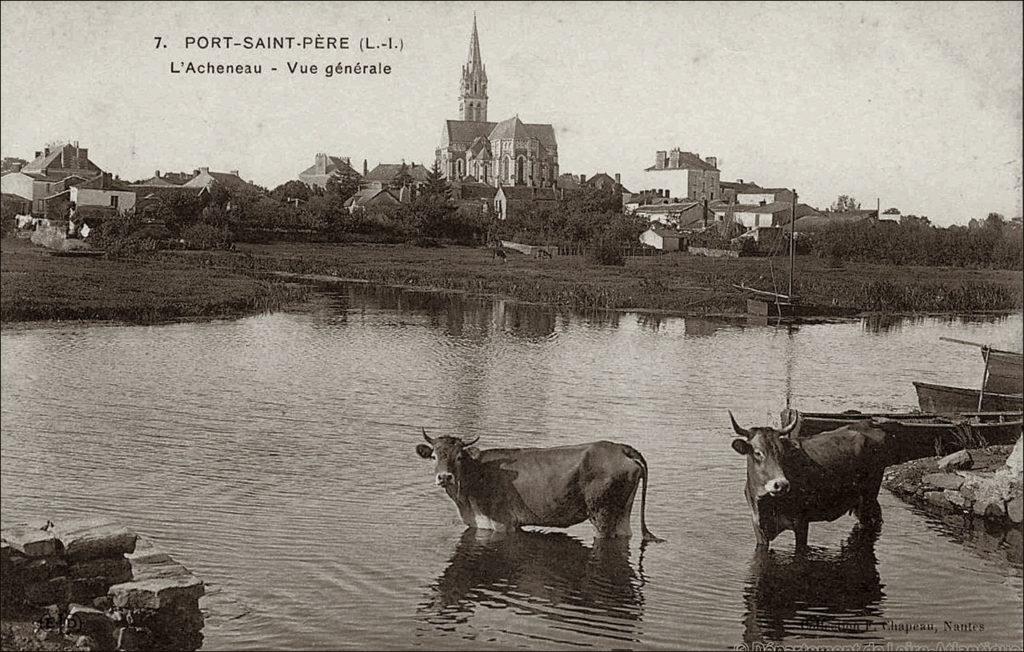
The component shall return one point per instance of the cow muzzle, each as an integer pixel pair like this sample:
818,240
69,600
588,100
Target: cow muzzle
444,479
777,487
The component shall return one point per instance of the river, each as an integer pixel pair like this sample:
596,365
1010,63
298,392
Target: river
274,456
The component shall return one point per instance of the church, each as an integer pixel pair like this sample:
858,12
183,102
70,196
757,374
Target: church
505,153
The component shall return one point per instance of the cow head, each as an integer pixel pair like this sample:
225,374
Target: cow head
449,454
764,449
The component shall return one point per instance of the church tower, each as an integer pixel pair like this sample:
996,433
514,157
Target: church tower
473,93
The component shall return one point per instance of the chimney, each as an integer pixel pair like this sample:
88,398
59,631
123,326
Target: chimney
17,167
235,172
83,153
203,170
583,179
157,174
673,158
739,180
366,169
660,159
712,161
618,178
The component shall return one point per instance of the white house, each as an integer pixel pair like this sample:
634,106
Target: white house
659,237
685,175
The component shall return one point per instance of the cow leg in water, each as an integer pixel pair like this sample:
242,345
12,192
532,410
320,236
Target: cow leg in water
800,530
868,511
609,505
762,540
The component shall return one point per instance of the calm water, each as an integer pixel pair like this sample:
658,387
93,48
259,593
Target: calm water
274,456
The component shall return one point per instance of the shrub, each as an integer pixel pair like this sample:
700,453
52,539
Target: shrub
205,236
607,252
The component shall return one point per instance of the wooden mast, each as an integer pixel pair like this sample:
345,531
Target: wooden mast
792,243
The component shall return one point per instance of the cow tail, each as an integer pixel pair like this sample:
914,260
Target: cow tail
635,455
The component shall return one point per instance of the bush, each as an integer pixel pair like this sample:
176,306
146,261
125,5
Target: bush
607,252
205,236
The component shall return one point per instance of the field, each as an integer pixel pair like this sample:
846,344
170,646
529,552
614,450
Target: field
39,286
187,285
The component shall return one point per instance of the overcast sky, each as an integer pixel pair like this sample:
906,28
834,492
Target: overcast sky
918,104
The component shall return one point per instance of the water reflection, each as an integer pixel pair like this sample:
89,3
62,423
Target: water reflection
822,593
550,575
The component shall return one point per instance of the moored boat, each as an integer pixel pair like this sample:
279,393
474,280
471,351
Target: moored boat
1005,371
944,399
918,434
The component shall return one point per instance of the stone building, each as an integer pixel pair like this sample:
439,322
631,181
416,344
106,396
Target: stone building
685,175
510,152
326,168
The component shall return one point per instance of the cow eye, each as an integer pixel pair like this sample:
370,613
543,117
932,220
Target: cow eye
759,456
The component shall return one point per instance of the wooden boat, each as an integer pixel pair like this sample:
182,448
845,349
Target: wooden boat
919,434
1005,371
943,399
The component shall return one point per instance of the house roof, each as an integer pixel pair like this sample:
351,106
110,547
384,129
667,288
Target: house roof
567,181
332,164
666,232
528,193
104,181
677,207
389,171
512,128
366,195
473,190
687,161
55,156
771,208
10,196
156,182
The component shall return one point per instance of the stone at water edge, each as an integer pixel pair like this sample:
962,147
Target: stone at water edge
32,541
956,498
52,591
959,460
1015,462
989,506
94,538
130,639
938,499
40,569
943,480
157,593
1015,509
89,621
115,570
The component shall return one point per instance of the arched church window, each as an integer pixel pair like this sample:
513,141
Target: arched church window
460,167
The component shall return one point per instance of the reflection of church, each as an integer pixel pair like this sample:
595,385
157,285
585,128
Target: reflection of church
504,153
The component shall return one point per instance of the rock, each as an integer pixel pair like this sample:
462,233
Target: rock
42,568
1014,508
156,593
52,591
84,591
115,571
156,565
956,461
938,499
1015,462
32,541
47,635
943,480
133,638
991,507
104,602
92,622
93,538
956,499
86,643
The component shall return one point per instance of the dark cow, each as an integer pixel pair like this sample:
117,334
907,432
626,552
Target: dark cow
794,482
505,488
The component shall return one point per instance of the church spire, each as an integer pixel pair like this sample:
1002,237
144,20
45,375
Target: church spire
473,92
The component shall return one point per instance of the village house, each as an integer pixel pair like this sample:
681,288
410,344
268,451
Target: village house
685,175
204,178
100,197
508,200
39,178
326,168
746,192
685,215
473,196
663,238
369,198
753,215
385,175
165,180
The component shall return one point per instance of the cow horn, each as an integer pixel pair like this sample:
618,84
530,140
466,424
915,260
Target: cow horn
426,436
470,443
735,426
792,424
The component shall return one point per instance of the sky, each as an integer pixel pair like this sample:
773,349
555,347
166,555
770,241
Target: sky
915,105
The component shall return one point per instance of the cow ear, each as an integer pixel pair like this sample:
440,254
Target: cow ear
472,451
424,451
742,446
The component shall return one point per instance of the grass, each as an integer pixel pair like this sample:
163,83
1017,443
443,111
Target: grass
38,286
188,285
672,283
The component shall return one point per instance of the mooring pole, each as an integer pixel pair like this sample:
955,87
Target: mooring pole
792,243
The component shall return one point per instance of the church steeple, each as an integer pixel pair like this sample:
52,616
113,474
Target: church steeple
473,93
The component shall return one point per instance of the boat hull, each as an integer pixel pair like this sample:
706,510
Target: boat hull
1005,372
943,399
916,435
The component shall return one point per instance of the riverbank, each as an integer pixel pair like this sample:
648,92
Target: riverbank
181,285
983,483
673,283
39,286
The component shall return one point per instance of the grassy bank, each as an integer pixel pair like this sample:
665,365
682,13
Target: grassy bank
38,286
675,282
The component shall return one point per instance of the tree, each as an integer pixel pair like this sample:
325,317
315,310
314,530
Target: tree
403,179
293,189
845,203
914,220
436,186
342,189
11,163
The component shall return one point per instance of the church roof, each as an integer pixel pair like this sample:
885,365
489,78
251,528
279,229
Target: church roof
389,171
513,128
466,131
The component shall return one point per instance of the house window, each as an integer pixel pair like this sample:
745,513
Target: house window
113,201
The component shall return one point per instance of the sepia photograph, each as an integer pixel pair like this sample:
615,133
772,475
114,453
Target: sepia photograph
511,325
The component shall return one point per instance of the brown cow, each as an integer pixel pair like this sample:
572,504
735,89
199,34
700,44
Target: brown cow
506,488
794,482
